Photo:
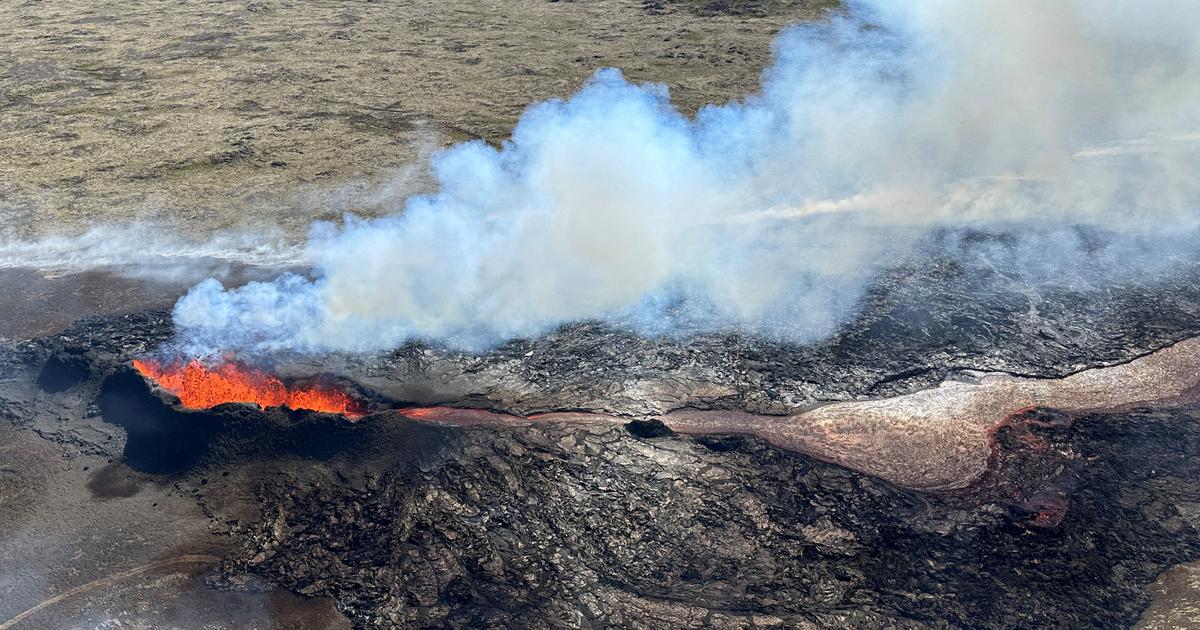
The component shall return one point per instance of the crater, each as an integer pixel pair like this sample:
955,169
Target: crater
159,438
165,437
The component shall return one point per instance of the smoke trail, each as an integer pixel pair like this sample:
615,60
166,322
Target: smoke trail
872,129
167,255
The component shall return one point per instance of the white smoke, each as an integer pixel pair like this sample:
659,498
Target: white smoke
150,249
770,214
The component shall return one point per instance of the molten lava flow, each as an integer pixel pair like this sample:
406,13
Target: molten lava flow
200,386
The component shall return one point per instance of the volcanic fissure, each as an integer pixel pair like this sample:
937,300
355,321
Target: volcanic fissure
201,386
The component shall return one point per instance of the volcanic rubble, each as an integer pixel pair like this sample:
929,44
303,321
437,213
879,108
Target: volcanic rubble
584,525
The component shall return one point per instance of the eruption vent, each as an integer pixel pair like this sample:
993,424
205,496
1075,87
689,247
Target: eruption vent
200,387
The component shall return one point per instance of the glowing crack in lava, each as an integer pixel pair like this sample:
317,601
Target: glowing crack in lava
200,387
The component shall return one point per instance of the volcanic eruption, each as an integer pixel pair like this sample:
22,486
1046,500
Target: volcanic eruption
201,386
1067,127
874,347
1055,149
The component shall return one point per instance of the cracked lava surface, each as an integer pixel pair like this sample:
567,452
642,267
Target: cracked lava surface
933,439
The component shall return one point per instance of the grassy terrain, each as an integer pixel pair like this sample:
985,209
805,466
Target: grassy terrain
220,113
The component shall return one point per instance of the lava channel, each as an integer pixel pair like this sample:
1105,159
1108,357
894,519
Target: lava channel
200,386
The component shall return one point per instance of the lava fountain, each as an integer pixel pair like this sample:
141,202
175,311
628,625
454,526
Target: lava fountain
200,386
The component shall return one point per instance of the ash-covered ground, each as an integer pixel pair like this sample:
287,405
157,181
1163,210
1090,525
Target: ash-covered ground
399,523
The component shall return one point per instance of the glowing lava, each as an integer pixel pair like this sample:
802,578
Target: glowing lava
200,386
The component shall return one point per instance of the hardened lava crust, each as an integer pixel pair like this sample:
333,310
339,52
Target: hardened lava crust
571,480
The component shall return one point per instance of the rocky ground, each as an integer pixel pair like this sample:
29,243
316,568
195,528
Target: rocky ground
573,528
565,524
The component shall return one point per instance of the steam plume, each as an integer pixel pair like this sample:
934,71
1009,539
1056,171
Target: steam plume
769,214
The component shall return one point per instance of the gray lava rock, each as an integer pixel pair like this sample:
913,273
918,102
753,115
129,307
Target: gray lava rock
585,526
556,527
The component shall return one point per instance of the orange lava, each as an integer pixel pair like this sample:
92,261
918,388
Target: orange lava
199,386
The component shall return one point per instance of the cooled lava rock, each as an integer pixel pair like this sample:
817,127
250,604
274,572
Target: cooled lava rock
597,525
552,527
